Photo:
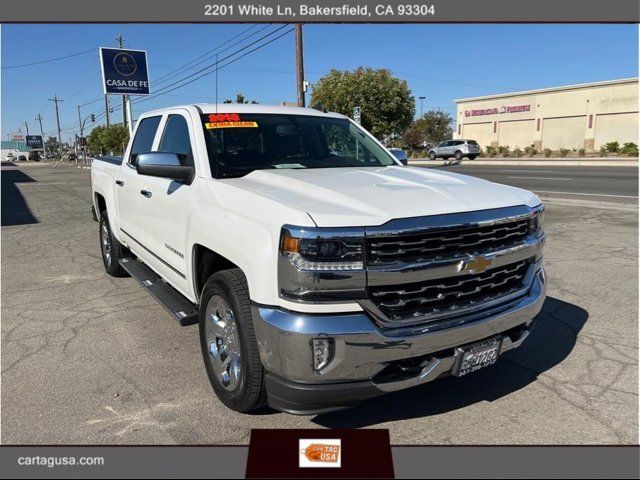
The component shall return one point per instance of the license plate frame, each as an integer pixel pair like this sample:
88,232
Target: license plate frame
478,355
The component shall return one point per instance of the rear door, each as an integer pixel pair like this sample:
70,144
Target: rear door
166,208
128,183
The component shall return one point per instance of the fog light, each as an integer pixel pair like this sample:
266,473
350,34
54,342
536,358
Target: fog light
321,352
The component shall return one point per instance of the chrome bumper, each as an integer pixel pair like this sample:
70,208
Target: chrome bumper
362,349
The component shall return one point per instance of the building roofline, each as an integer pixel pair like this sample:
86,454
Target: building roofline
549,89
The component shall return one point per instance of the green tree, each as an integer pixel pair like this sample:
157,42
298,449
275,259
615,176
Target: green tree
386,101
240,98
108,139
435,126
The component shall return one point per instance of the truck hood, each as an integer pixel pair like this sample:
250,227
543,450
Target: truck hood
336,197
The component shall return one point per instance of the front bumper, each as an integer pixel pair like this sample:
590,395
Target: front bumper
365,356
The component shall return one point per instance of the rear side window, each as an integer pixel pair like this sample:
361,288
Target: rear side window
472,142
143,141
175,139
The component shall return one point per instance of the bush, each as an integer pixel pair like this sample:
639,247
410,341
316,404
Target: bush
603,152
629,148
547,152
613,147
530,151
564,152
582,152
517,153
491,151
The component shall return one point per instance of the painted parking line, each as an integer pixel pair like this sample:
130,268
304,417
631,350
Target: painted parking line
527,171
544,178
586,194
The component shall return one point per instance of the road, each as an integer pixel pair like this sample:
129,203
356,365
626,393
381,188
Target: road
596,183
91,359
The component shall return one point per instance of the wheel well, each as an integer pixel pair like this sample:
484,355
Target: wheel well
205,263
102,204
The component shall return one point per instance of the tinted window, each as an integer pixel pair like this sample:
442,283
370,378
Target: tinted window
143,140
444,144
239,144
175,139
472,142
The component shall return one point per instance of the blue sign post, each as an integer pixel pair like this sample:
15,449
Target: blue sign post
124,71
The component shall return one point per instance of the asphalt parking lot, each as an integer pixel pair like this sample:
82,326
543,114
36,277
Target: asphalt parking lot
89,359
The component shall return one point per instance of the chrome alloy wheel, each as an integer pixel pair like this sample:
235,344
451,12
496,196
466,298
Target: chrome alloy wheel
105,242
223,342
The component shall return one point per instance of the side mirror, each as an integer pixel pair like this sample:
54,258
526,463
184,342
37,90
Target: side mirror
164,165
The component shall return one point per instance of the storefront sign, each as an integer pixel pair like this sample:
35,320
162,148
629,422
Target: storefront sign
497,110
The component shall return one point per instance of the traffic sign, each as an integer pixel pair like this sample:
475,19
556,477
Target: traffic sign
124,71
357,111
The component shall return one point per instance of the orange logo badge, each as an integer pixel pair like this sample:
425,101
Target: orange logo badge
317,452
320,453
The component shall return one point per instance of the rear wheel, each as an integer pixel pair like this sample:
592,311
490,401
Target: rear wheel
432,155
112,250
228,342
458,155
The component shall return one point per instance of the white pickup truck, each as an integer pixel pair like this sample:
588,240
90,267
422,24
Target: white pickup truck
321,271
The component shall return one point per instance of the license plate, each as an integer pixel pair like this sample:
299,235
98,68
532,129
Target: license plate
479,355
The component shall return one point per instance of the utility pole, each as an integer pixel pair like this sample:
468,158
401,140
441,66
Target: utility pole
44,147
106,107
26,125
421,100
124,97
299,65
56,100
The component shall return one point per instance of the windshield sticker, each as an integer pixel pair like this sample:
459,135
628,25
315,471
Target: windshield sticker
238,124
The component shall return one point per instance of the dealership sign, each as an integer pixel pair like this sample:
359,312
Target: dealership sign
34,142
124,72
497,110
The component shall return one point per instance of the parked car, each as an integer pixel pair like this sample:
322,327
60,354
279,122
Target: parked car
11,157
455,148
22,158
318,279
400,155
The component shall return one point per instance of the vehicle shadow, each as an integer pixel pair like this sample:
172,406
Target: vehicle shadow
15,210
551,341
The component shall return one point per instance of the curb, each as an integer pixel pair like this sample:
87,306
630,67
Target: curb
534,163
603,205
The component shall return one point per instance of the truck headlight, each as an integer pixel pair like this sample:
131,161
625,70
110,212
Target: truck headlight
536,222
321,264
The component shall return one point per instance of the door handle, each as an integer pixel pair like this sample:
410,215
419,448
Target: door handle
146,193
120,182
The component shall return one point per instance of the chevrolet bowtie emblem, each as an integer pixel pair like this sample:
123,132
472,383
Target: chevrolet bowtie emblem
476,264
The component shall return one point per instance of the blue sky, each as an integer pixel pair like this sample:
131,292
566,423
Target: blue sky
441,62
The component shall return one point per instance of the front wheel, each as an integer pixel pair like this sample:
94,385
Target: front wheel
458,155
228,342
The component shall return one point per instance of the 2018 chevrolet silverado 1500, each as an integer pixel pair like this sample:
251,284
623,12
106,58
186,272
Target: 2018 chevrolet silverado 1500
320,270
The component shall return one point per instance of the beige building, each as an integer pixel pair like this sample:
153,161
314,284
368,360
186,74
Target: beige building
573,117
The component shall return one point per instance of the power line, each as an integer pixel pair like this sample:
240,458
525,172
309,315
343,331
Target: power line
191,79
190,64
48,61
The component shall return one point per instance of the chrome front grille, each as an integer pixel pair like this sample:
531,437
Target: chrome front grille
439,243
420,270
443,296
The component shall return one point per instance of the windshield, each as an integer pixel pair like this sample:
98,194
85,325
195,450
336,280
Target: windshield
241,143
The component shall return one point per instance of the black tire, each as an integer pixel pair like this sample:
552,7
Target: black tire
458,155
112,250
472,157
249,394
432,155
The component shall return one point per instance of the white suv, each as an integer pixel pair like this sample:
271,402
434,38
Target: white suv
455,148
